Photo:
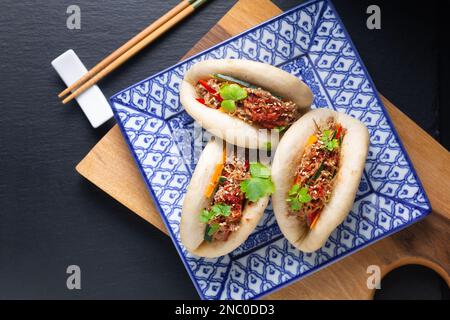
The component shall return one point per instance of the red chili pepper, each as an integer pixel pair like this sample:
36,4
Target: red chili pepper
202,101
210,90
207,87
247,165
339,131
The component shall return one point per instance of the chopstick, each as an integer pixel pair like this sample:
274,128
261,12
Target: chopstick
125,47
133,46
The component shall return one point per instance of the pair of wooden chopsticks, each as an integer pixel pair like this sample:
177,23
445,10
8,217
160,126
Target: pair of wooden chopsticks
130,48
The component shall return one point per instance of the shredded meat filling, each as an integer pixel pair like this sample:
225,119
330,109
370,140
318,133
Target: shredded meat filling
229,193
260,108
317,171
210,99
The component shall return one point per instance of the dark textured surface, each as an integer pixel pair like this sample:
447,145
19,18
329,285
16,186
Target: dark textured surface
50,217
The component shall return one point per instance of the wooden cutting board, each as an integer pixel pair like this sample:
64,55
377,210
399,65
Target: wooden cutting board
109,165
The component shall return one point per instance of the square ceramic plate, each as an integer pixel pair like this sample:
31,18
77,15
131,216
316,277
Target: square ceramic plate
310,42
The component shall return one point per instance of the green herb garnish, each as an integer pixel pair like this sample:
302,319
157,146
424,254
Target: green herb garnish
256,188
259,185
298,196
329,142
303,195
281,129
215,211
230,93
259,170
268,146
228,105
233,92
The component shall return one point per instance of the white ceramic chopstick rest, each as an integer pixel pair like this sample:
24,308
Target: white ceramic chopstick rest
92,101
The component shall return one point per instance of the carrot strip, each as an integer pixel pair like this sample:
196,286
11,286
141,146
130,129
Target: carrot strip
214,179
311,140
314,221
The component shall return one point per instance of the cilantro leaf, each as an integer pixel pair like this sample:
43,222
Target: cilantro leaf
295,204
260,184
294,190
303,195
329,142
297,197
256,188
327,134
205,216
228,106
333,144
233,92
216,210
259,170
221,210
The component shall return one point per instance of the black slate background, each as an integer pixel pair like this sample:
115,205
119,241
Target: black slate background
50,217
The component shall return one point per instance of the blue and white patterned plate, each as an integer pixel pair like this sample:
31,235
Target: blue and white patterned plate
310,42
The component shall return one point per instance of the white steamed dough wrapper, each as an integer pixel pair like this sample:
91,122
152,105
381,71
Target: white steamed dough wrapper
192,230
286,160
228,127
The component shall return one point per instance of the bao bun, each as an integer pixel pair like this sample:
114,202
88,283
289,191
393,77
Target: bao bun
192,230
228,127
287,159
